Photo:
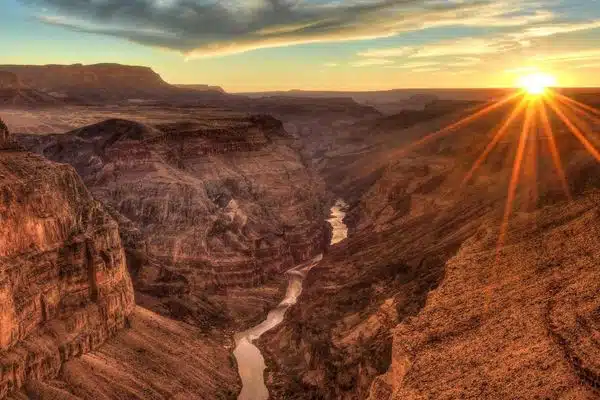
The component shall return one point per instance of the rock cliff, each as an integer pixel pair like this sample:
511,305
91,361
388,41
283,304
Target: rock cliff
100,84
64,284
417,303
108,76
204,206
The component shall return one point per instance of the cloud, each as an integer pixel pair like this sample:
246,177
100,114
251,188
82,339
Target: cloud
471,48
426,70
555,29
414,65
572,56
521,70
203,28
331,64
369,62
460,47
586,66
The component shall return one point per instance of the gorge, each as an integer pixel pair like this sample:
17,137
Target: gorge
145,249
251,364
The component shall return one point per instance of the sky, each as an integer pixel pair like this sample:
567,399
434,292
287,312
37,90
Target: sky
264,45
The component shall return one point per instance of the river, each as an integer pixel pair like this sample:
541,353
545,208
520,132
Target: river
251,364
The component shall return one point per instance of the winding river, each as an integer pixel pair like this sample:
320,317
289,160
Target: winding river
251,364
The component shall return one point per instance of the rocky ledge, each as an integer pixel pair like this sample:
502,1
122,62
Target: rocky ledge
64,284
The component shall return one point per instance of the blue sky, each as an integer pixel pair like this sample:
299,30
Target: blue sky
251,45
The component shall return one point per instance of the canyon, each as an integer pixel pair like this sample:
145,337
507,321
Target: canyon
142,246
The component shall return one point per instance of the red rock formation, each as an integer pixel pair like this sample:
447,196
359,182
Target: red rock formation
418,304
204,205
64,285
108,76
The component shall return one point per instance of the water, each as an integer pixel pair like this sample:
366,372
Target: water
251,364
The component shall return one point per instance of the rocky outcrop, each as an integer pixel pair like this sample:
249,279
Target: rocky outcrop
204,205
64,284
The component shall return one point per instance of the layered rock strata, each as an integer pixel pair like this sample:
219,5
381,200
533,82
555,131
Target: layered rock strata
64,284
203,206
419,303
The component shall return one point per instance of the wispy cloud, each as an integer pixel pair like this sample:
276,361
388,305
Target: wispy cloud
202,28
555,29
459,47
331,64
431,69
589,66
471,49
571,56
368,62
414,65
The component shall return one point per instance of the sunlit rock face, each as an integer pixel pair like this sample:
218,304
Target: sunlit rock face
64,285
202,205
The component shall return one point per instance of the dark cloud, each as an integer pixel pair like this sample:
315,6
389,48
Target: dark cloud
204,28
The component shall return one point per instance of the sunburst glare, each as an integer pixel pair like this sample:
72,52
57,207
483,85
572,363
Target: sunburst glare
537,104
537,84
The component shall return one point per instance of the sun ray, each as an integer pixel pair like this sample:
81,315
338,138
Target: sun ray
556,159
516,173
579,104
465,121
497,137
579,110
574,129
581,119
531,158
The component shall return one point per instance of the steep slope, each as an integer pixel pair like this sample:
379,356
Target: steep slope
64,285
205,207
156,358
421,268
524,324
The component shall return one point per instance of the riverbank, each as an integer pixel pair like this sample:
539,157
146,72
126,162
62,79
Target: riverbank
250,361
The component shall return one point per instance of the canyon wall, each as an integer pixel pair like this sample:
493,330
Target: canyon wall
64,284
204,206
418,303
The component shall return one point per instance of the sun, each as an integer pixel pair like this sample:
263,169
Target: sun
537,83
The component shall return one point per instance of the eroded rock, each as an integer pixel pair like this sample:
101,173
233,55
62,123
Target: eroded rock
64,284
